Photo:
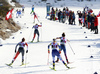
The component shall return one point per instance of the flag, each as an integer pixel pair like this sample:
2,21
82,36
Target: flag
98,14
9,14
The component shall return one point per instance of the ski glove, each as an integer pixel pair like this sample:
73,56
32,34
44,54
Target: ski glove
48,51
59,51
26,51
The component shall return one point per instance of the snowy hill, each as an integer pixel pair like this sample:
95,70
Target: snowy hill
38,52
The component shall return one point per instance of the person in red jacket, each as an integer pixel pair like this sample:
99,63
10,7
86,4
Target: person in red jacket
35,16
96,25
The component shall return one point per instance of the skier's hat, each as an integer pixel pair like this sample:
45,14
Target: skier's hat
54,39
23,39
36,24
63,34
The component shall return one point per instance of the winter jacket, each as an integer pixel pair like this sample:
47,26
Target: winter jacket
59,14
92,19
96,21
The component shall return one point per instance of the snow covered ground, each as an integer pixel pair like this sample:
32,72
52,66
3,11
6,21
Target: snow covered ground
38,52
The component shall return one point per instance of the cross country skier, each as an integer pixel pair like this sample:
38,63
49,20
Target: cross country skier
62,45
55,52
36,32
18,14
35,16
32,9
20,50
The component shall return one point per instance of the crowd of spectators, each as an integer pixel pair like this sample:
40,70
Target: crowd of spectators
86,17
63,15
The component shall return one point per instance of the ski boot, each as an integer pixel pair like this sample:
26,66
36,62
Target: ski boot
38,40
32,40
10,64
67,66
22,63
53,66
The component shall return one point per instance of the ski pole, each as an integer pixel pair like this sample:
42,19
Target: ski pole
71,48
48,60
30,35
41,31
41,34
25,60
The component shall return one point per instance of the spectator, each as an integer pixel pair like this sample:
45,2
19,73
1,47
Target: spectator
96,25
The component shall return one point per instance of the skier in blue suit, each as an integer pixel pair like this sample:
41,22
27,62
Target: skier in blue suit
55,52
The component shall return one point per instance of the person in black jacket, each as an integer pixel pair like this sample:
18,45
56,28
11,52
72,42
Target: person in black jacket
59,15
63,17
73,18
70,17
92,22
79,17
88,20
